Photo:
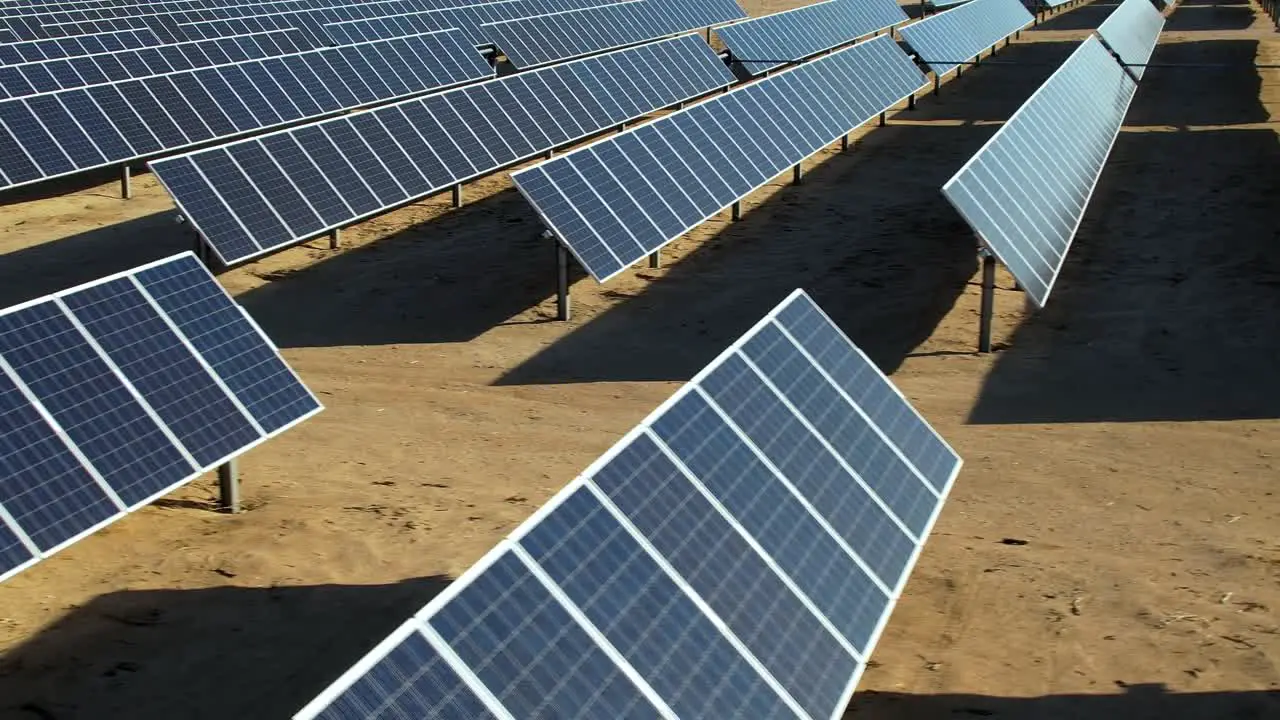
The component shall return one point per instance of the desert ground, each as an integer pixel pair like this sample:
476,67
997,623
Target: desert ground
1109,550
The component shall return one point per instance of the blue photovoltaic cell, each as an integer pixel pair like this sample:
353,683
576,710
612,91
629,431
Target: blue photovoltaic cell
530,653
1025,192
655,626
684,562
468,19
412,681
1131,31
106,402
51,48
949,38
617,200
768,42
13,554
350,167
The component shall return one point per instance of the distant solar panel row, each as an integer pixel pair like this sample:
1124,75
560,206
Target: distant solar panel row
531,42
467,19
258,195
116,392
84,70
1027,189
736,556
952,37
1131,31
54,48
762,44
44,136
619,199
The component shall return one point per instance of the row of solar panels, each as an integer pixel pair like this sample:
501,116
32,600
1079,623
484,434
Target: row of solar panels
1026,191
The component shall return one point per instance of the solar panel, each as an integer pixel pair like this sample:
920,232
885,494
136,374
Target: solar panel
947,39
1131,31
117,392
617,200
736,555
467,19
258,195
60,133
64,73
762,44
53,48
534,41
946,3
84,27
1026,190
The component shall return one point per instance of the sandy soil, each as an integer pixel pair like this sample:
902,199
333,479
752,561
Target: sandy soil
1109,551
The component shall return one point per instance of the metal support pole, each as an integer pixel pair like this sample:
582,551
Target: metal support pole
796,174
562,282
655,259
335,238
937,83
126,187
1017,35
977,60
959,70
988,300
911,101
229,486
735,210
881,119
708,35
844,141
457,195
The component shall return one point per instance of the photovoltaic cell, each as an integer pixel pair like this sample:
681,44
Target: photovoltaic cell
141,117
54,48
258,195
1131,31
617,200
108,401
468,19
764,43
949,38
1027,189
684,574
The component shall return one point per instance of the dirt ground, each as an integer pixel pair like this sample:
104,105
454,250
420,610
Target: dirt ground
1109,550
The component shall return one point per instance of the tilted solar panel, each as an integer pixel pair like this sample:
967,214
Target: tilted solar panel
768,42
310,20
1027,189
737,555
258,195
947,39
534,41
85,27
617,200
54,48
1131,31
60,133
82,71
119,391
467,19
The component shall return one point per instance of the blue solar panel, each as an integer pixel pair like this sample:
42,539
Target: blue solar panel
468,19
683,574
258,195
617,200
947,39
534,41
109,401
768,42
136,118
1131,31
1027,189
53,48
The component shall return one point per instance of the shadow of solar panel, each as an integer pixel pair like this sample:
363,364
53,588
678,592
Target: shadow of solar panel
534,41
617,200
259,195
116,392
468,19
59,133
947,39
1027,189
54,48
1131,31
765,43
702,568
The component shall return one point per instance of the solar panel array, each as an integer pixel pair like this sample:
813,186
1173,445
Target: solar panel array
736,556
1026,190
85,27
1131,31
762,44
116,392
468,19
53,134
258,195
84,70
531,42
947,39
53,48
617,200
